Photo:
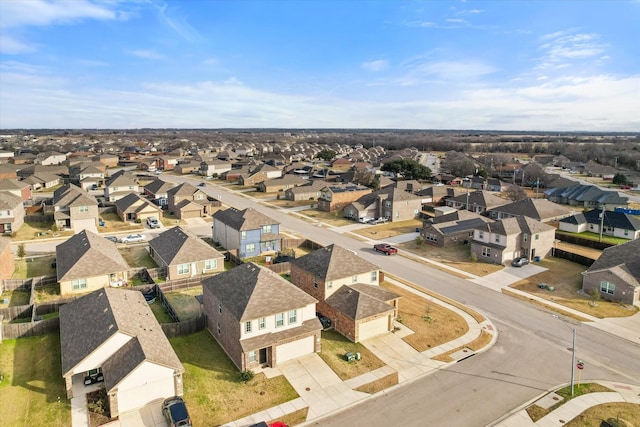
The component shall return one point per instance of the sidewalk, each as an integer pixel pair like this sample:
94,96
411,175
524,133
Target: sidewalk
571,409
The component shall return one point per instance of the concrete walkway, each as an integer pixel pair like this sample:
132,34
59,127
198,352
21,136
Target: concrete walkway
572,408
79,413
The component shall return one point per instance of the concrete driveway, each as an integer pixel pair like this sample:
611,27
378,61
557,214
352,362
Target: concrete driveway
508,276
147,416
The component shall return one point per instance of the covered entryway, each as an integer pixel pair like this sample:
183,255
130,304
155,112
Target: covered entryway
373,328
294,349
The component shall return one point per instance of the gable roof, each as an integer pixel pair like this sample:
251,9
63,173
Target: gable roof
72,195
87,254
587,193
613,219
360,301
177,246
620,259
246,219
539,209
133,202
158,186
480,198
515,225
89,321
184,189
10,201
333,262
250,292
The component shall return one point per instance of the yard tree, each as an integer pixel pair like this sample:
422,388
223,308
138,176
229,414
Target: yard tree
619,179
515,193
326,155
409,169
21,251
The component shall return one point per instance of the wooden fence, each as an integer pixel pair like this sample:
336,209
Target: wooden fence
30,329
583,242
186,327
580,259
30,283
281,268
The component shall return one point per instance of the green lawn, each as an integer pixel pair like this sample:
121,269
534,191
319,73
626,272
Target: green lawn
335,346
160,312
15,298
138,256
596,237
212,387
34,267
32,392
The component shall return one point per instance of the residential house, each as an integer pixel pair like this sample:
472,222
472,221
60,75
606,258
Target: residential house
476,201
120,185
452,228
605,172
42,180
15,187
258,174
50,158
346,287
615,275
7,262
188,201
113,333
338,196
109,160
435,195
538,209
90,176
280,184
259,318
510,238
341,164
134,207
309,191
214,167
86,262
587,197
390,202
165,163
74,209
249,231
609,223
158,191
190,166
8,171
11,213
23,159
182,254
26,171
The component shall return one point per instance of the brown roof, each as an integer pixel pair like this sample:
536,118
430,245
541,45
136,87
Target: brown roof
87,255
247,219
250,292
177,246
333,262
358,302
88,322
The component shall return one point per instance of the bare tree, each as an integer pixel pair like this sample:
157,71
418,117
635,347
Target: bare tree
515,193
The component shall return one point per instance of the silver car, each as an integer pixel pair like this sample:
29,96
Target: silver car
132,238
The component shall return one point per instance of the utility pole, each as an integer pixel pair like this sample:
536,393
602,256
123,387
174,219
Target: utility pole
601,222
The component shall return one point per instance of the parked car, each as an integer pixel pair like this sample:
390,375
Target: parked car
324,320
132,238
385,248
113,239
365,220
153,222
175,411
202,184
520,261
381,220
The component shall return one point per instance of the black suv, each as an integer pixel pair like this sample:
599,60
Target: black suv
175,411
325,321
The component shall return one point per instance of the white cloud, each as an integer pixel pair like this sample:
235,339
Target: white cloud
563,47
146,54
377,65
10,45
420,68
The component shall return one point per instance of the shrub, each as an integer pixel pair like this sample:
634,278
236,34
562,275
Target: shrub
247,375
419,240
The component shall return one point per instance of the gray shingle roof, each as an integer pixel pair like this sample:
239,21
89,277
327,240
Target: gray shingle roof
72,195
87,254
88,322
250,292
177,246
158,186
359,302
333,262
539,209
624,257
133,202
9,201
611,219
246,219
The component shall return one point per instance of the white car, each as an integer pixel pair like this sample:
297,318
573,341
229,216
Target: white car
153,222
132,238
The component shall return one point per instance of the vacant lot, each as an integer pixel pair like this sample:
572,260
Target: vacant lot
335,346
566,278
137,256
433,324
458,256
212,386
390,229
113,223
32,392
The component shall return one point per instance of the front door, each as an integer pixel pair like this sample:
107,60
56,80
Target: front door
263,356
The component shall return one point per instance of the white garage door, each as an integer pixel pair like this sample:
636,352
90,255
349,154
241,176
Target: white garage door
137,397
84,224
373,327
294,349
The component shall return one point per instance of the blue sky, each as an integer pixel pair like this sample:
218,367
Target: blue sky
505,65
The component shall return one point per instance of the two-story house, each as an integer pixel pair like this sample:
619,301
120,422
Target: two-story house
182,254
50,158
214,167
259,318
476,201
119,185
510,238
73,208
158,191
248,231
346,287
187,201
258,174
15,187
337,196
165,163
90,176
538,209
390,202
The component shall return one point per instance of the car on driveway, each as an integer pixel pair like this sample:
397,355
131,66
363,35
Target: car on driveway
520,261
113,239
153,222
202,184
175,411
132,238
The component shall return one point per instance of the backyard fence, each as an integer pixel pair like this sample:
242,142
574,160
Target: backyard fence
30,283
185,327
583,242
280,268
580,259
30,329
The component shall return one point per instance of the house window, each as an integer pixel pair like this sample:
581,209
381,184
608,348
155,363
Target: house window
251,248
329,285
626,232
486,252
266,228
279,320
315,281
591,227
607,287
247,326
262,323
354,279
220,308
480,234
218,325
251,357
211,264
184,268
497,239
243,235
78,284
525,237
537,236
374,276
199,196
84,209
293,316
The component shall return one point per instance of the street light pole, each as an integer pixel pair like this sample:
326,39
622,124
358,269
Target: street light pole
573,360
